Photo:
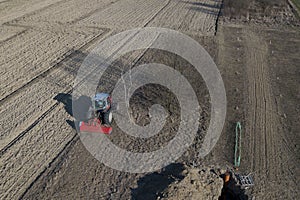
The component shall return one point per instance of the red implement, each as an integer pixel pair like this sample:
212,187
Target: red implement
94,126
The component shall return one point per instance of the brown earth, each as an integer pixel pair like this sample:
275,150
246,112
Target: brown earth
200,184
43,43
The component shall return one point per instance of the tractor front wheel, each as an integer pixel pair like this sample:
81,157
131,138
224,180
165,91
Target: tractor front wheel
107,118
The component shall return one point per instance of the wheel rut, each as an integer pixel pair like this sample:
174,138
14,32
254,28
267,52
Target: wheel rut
266,149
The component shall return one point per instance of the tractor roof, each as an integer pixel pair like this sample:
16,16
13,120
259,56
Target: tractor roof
100,96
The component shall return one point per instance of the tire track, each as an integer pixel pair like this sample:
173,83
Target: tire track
5,148
9,32
192,17
266,149
77,10
126,14
25,9
260,120
55,66
12,153
31,155
45,75
35,81
65,150
28,56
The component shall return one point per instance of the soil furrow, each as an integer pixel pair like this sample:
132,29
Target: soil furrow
40,91
31,155
264,126
36,141
53,67
15,8
39,60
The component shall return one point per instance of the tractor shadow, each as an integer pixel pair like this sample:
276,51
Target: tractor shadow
150,186
233,191
81,106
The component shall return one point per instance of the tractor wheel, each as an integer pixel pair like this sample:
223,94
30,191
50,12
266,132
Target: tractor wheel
107,118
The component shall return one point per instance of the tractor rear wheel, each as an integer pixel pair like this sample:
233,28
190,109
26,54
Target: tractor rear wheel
107,118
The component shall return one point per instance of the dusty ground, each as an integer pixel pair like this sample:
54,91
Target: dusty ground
42,46
268,148
196,183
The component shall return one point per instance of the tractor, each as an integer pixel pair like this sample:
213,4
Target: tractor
99,116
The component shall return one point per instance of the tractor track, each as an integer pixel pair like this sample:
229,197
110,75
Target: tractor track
69,143
15,35
37,79
28,10
56,65
218,17
260,102
66,148
4,149
92,13
35,19
50,70
44,74
267,153
47,72
56,11
156,14
37,60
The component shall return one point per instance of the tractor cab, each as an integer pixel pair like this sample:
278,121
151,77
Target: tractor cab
102,102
